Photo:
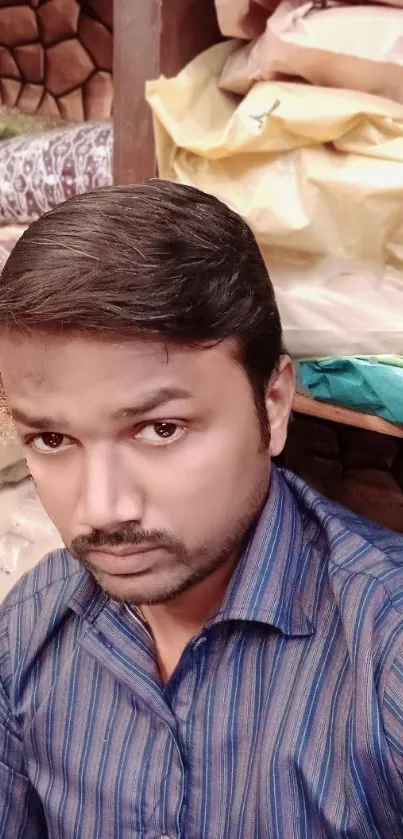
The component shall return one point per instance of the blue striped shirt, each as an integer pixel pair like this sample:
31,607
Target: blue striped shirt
283,718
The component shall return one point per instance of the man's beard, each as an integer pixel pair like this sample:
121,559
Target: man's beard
191,575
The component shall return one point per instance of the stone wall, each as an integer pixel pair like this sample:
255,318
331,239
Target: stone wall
56,57
361,469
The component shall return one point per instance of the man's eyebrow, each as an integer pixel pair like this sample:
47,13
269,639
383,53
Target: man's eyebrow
155,400
34,422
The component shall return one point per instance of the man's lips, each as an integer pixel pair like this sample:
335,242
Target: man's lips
128,550
125,561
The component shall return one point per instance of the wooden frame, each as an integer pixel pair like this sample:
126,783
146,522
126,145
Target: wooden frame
334,413
151,37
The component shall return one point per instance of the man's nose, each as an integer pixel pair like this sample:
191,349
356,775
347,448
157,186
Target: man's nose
107,496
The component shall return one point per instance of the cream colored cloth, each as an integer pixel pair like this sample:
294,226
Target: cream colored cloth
355,47
331,307
247,18
243,18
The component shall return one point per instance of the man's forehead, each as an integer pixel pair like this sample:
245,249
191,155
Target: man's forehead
74,363
43,357
23,354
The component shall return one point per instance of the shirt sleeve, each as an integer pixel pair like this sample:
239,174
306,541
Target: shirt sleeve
21,814
393,713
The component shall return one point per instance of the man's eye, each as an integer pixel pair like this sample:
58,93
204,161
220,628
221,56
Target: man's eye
160,433
50,442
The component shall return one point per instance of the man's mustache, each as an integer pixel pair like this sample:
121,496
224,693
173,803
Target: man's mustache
126,536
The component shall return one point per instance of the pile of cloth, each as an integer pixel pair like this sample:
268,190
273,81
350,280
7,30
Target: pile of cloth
296,122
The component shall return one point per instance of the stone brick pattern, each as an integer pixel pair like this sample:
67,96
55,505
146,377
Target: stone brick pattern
360,469
56,57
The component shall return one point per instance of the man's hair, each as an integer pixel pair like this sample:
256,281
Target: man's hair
155,258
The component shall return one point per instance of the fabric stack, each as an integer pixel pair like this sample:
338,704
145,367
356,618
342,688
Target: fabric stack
299,127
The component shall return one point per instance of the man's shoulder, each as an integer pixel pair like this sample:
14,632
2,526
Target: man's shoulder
56,571
40,611
35,609
352,545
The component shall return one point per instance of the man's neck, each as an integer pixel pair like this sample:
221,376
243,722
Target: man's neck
175,622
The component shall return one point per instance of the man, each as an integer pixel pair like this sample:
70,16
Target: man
217,653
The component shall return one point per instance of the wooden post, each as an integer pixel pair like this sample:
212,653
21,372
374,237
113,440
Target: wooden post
151,37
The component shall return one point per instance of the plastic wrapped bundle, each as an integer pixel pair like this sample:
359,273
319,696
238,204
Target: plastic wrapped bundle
247,18
243,18
26,533
354,47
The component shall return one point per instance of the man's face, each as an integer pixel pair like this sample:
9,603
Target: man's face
148,458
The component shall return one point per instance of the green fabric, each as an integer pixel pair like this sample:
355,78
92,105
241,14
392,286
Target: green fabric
14,123
371,385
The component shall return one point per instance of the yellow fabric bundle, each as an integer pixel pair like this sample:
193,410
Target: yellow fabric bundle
315,171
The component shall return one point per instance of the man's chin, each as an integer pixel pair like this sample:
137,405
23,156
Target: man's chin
140,589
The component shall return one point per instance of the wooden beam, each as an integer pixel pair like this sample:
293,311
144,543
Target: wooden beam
151,37
333,413
136,59
187,28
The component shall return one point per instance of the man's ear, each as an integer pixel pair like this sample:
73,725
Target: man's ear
279,399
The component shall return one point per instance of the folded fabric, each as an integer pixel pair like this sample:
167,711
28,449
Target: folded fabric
247,18
332,307
39,171
355,47
366,385
314,171
243,18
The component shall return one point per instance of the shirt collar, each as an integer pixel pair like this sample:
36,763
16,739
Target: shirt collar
87,598
269,583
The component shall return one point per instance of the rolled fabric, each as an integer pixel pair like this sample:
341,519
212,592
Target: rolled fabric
39,171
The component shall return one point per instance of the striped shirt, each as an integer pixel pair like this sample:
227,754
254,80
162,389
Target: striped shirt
283,718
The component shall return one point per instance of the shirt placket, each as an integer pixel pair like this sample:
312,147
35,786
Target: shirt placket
122,644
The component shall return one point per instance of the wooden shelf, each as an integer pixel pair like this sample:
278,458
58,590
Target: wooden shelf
333,413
